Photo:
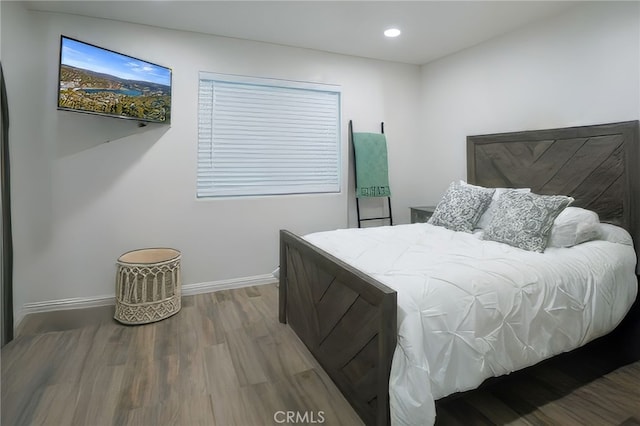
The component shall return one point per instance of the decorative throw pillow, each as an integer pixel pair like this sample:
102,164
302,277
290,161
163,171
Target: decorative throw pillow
574,226
524,220
461,207
485,219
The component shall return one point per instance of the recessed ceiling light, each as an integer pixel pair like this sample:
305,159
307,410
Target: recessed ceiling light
392,32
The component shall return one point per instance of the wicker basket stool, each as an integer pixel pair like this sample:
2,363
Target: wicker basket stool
148,285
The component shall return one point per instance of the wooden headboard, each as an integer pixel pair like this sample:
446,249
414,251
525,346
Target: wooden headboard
597,165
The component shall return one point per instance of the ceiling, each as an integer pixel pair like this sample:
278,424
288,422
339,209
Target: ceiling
430,29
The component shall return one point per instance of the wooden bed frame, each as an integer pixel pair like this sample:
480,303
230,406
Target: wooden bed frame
348,319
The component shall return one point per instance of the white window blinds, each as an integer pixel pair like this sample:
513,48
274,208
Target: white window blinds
266,137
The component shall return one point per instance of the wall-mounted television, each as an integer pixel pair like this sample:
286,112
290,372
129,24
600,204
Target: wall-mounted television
95,80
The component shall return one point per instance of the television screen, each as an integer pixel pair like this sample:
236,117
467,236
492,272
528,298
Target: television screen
99,81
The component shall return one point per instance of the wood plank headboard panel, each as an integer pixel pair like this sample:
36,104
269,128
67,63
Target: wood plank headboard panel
597,165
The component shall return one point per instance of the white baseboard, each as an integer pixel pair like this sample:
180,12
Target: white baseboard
63,305
187,290
208,287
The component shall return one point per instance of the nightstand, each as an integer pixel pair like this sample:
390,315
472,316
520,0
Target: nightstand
421,214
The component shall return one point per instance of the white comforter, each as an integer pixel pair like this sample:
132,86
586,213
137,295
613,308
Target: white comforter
470,309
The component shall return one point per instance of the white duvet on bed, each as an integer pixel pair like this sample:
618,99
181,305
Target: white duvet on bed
470,309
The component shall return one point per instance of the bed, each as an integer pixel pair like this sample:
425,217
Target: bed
352,321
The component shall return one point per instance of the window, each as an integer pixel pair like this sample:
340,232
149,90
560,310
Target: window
265,137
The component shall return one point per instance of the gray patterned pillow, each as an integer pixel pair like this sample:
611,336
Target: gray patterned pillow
524,220
461,207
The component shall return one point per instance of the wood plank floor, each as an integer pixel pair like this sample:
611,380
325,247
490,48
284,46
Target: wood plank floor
225,360
551,394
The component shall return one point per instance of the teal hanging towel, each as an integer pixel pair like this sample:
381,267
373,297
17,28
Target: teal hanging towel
372,170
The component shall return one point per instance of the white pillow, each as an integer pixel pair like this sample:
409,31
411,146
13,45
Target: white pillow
486,217
573,226
614,234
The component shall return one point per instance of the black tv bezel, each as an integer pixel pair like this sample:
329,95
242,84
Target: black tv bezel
102,114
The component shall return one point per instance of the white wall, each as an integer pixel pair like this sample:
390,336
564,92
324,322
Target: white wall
579,68
88,188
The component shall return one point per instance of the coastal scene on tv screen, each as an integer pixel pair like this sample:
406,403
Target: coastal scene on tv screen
101,81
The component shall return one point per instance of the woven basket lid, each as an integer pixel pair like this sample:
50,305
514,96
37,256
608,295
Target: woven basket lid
149,256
